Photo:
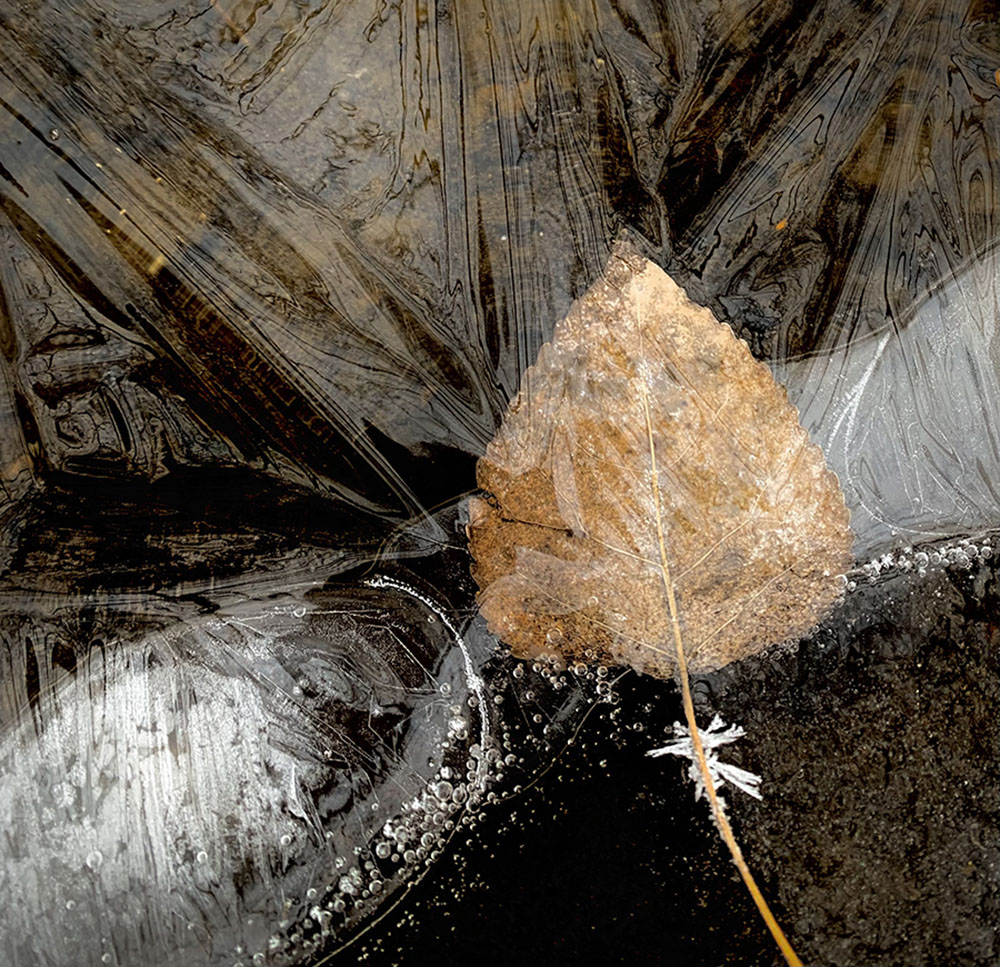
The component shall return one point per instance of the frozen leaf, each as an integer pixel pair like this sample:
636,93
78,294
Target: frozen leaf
648,454
652,499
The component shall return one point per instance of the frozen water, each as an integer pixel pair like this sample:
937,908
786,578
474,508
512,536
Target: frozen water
906,415
260,774
185,789
270,273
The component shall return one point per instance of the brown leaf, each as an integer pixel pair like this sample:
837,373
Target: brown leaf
645,408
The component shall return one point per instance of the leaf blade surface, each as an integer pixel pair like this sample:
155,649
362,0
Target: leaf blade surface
644,405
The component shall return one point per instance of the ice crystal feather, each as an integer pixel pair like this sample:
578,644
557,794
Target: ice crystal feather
715,736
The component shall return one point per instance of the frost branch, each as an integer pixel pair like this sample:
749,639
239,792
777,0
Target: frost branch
712,738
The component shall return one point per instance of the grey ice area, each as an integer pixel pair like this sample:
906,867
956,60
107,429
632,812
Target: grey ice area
185,791
905,416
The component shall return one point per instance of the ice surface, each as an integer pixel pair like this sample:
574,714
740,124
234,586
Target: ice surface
906,415
185,789
252,767
270,273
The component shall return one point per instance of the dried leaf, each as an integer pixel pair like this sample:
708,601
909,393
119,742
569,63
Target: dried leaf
644,409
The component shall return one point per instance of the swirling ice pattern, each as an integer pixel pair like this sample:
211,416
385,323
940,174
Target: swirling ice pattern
321,242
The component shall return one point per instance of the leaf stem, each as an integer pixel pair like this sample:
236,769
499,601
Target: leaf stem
725,829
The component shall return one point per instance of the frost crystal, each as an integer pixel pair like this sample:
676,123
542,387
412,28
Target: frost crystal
716,735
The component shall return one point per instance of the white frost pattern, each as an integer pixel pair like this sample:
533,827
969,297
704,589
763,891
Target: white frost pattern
716,735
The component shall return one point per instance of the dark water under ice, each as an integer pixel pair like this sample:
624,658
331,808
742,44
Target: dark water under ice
270,272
